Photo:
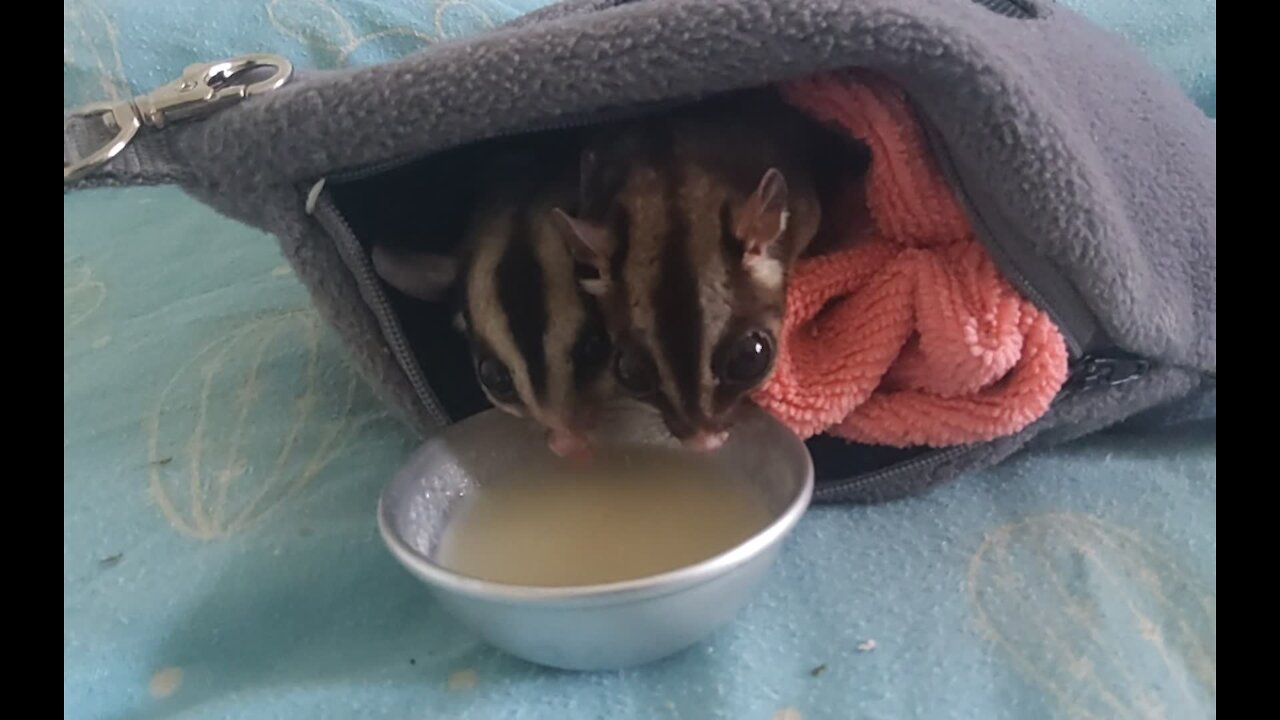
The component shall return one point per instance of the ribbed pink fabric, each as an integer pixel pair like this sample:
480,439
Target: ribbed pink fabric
904,332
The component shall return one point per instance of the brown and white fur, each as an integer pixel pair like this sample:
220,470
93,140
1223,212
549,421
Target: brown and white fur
692,222
523,310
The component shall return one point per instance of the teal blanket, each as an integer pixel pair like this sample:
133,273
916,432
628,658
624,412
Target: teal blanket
222,464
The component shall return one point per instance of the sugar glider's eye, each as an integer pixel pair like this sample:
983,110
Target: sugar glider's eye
595,348
585,271
746,360
636,373
496,378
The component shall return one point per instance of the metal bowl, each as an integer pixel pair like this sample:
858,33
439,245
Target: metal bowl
594,627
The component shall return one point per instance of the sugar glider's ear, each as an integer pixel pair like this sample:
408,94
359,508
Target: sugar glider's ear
425,276
591,248
762,219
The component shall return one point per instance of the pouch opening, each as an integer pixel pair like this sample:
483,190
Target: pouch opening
423,204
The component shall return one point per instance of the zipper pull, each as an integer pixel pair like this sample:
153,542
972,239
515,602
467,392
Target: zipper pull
203,89
1093,371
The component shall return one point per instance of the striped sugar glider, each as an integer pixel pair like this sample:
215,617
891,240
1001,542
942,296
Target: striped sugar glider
691,221
538,341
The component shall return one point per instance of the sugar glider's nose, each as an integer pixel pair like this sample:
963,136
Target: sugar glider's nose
706,440
568,445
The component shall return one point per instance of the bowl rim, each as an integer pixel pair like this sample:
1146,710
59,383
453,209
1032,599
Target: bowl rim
635,588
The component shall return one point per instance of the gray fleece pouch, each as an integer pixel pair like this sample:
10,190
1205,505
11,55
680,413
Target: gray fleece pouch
1089,177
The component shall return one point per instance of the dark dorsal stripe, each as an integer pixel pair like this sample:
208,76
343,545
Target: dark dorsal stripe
678,312
731,248
523,299
591,348
621,226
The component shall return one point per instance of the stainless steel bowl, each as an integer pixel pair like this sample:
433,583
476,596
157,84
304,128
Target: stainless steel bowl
594,627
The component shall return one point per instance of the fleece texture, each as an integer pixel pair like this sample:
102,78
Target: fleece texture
1087,174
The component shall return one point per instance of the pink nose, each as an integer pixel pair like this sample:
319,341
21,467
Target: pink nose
706,441
568,446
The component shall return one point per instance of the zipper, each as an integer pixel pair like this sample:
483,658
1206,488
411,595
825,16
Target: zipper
1094,371
1069,313
877,477
1085,374
353,254
1016,9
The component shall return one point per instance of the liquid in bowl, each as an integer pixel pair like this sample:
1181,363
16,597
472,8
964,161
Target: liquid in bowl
634,512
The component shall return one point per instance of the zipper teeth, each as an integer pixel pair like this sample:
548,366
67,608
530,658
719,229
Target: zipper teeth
1008,268
930,460
381,308
1029,291
937,457
1009,8
1012,273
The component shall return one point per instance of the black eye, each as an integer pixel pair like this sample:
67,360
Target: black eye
747,360
595,348
585,271
495,378
636,373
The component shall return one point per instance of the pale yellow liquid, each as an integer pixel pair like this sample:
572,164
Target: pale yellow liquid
628,514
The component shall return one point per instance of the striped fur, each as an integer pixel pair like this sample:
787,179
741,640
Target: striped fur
523,305
667,208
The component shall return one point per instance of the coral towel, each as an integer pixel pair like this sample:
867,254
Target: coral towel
903,332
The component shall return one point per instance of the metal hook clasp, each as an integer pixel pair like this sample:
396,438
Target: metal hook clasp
202,89
119,117
205,87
